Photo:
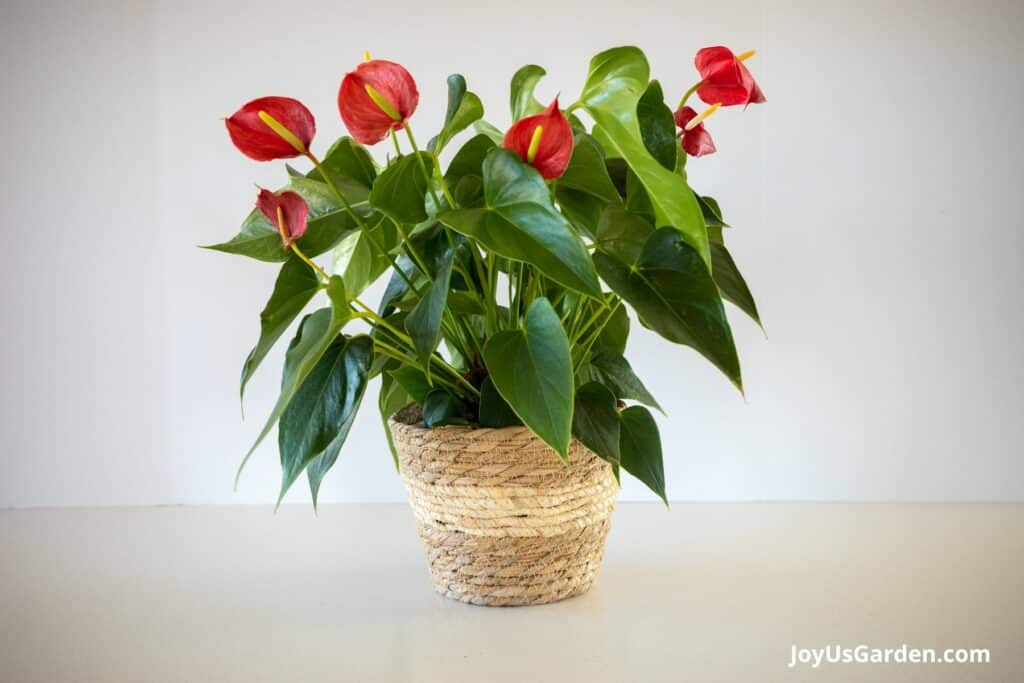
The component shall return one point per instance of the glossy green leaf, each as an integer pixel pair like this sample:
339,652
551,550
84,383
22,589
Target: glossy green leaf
413,381
490,130
329,222
441,408
731,283
657,126
585,189
615,333
494,410
424,321
595,421
360,258
615,83
675,295
640,449
400,190
522,101
296,285
391,399
531,368
469,160
316,332
712,213
464,108
622,233
320,414
613,371
519,222
350,166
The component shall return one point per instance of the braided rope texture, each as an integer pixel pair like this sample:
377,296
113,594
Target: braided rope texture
503,520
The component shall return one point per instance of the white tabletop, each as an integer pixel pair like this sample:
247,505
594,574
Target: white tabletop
705,592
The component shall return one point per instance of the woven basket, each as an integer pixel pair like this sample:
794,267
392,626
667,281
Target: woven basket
503,520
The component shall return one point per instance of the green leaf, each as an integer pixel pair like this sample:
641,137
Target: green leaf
615,333
316,332
622,234
328,223
712,213
613,371
520,222
640,449
441,408
657,126
296,285
585,189
413,381
595,421
320,414
521,99
401,189
615,83
675,296
350,166
424,321
730,282
490,130
391,399
494,410
531,368
358,259
469,160
464,108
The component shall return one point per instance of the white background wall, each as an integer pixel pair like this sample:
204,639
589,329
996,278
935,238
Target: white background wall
875,199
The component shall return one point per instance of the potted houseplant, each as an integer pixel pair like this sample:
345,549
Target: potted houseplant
508,406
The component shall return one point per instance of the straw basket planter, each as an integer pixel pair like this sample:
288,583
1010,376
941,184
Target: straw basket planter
503,520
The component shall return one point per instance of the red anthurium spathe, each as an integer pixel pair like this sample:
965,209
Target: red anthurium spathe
376,98
724,78
543,140
271,128
697,142
287,211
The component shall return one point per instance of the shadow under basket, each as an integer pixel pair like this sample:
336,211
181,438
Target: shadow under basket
503,520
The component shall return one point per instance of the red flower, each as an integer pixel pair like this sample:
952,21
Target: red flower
287,211
697,142
255,136
724,78
543,140
376,98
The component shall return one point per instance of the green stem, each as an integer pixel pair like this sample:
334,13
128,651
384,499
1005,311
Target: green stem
423,166
686,95
309,262
394,139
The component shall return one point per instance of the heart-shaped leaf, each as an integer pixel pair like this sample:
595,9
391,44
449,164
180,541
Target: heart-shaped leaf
731,283
532,370
329,222
675,296
316,332
657,126
610,369
640,448
521,98
401,189
585,189
520,222
296,285
360,258
595,421
616,81
424,321
494,410
464,108
441,408
349,165
320,414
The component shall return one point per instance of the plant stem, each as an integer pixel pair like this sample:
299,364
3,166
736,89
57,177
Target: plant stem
309,262
686,95
423,166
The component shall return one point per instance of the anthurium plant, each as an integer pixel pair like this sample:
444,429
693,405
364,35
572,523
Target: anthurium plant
515,261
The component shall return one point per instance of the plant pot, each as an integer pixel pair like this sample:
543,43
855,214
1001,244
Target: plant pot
503,520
